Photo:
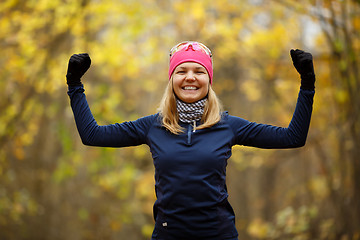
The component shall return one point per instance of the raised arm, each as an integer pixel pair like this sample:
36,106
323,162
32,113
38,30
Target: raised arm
114,135
267,136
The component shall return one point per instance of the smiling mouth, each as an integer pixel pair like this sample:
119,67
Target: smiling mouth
190,88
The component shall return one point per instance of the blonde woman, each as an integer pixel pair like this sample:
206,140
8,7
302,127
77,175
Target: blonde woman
190,140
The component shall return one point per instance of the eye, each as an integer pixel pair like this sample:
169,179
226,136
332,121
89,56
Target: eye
180,72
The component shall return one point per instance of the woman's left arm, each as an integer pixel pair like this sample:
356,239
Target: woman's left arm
267,136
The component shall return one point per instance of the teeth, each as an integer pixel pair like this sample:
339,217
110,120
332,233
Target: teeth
190,88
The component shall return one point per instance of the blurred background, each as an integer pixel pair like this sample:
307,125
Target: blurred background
53,187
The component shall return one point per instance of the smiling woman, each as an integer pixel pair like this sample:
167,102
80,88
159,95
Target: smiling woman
190,140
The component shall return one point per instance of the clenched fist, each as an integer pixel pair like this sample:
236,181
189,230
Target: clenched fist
303,62
78,65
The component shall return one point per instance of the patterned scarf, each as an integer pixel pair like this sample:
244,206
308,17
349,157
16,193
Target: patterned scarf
190,112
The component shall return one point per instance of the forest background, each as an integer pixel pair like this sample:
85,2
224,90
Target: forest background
53,187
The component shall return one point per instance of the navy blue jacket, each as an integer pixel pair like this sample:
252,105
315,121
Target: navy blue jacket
190,168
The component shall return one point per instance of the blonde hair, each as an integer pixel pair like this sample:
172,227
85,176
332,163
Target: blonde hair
170,116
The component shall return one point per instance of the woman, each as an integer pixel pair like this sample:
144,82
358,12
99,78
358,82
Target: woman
190,140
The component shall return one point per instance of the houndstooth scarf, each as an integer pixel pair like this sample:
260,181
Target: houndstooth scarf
190,112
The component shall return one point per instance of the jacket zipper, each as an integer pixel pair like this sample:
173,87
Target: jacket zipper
193,127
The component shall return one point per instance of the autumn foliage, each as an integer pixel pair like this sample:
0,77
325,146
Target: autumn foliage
53,187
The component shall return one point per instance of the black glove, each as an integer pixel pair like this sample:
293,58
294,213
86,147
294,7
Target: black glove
78,65
303,62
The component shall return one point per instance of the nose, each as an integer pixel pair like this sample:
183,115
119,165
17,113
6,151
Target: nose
190,76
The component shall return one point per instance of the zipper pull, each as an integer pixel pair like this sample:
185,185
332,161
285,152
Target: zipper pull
194,126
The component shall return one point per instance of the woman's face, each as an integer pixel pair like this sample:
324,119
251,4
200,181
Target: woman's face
190,82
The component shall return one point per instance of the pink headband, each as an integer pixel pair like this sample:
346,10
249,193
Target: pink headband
188,54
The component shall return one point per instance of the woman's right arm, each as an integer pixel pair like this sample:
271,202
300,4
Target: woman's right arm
115,135
124,134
